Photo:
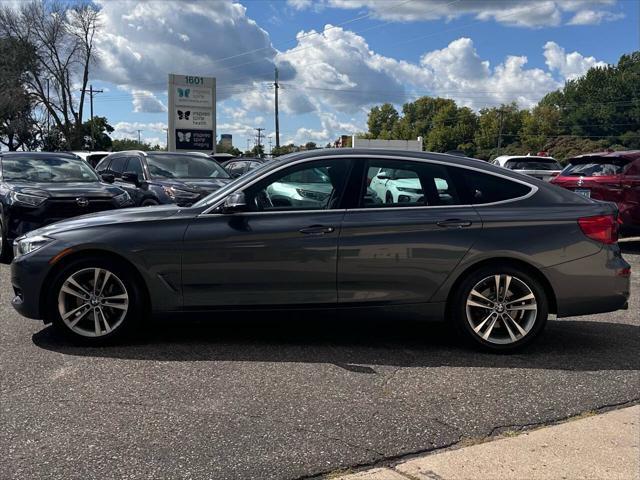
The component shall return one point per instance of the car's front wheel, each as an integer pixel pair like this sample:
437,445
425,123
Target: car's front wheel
95,301
500,308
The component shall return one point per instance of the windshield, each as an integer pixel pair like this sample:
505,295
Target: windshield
47,170
533,164
595,167
184,166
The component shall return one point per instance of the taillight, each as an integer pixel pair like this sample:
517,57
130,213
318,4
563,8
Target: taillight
601,228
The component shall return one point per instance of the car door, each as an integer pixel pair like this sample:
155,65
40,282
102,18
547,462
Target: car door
401,252
134,165
631,193
281,251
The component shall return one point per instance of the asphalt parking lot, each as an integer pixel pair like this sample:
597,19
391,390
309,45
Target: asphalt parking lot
289,397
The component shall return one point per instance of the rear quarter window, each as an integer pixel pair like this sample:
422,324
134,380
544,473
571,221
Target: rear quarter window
482,188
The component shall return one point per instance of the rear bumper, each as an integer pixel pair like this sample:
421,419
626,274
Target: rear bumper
598,283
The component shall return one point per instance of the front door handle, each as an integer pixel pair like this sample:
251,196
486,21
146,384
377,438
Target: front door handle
317,230
454,223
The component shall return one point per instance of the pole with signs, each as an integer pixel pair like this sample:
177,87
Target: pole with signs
192,113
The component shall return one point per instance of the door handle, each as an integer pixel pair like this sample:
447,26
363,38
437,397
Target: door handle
317,230
454,223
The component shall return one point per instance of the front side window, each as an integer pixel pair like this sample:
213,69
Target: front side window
117,166
183,166
311,186
400,183
135,166
46,169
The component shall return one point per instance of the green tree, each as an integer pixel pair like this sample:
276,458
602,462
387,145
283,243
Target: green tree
220,148
122,144
310,146
381,121
498,128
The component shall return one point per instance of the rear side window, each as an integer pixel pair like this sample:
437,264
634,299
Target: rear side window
481,188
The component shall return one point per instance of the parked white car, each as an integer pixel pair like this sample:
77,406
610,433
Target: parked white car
544,168
402,186
92,158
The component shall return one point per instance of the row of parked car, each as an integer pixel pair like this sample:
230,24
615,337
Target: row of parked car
39,188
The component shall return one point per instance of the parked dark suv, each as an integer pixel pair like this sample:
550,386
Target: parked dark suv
154,178
38,188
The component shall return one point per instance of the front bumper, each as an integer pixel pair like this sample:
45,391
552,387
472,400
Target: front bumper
598,283
28,276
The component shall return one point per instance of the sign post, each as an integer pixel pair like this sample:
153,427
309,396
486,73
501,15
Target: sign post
192,113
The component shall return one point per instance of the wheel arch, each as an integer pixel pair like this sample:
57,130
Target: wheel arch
88,253
511,262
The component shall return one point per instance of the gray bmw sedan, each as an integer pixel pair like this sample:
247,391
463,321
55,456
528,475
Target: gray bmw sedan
489,250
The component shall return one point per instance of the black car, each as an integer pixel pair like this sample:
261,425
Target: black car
155,178
490,250
239,166
38,188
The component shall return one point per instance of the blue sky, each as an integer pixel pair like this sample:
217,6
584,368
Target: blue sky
480,52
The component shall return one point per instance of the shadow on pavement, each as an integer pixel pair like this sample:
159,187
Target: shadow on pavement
355,343
630,247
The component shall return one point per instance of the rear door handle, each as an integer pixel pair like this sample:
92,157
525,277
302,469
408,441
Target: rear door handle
317,230
454,223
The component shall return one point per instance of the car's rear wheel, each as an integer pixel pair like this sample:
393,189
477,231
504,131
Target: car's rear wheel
95,301
500,308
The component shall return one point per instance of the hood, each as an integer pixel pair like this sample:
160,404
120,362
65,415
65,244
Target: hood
201,185
109,217
68,190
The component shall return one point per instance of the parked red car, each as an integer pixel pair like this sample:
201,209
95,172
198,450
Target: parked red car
609,176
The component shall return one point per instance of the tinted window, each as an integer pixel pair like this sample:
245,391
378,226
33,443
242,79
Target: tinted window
102,166
46,169
484,188
316,186
532,164
117,166
595,167
184,166
399,183
135,166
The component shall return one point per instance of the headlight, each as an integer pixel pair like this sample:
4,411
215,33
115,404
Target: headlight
410,190
122,199
319,196
174,193
27,245
27,199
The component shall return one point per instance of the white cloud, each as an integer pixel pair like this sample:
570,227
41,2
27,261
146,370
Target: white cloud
523,13
592,17
141,42
145,101
130,130
569,65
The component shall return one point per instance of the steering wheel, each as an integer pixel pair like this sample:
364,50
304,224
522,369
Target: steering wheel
262,200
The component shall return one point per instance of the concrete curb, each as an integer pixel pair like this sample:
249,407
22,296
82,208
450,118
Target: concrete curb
605,446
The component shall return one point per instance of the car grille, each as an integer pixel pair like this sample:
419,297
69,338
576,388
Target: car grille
58,209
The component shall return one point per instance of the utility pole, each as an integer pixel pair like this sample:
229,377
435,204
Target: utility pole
259,141
91,92
270,148
277,87
139,137
500,132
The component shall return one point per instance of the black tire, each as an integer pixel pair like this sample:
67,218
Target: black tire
137,301
388,198
458,310
6,250
149,203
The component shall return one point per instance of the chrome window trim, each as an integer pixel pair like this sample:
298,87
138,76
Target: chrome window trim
531,192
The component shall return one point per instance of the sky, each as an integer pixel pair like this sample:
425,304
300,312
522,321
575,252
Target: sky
337,58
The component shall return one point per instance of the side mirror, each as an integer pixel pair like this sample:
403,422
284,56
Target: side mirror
131,177
235,202
108,177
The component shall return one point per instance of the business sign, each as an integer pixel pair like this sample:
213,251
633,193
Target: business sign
192,113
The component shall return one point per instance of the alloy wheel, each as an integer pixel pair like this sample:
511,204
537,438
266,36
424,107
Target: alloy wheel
501,309
93,302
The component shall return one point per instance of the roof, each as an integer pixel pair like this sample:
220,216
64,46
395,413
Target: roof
39,154
502,159
631,154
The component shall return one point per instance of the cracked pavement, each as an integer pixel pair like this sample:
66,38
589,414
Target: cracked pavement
292,396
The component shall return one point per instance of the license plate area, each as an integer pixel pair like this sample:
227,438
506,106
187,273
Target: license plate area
585,192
